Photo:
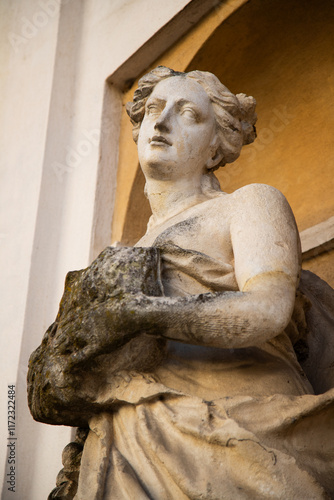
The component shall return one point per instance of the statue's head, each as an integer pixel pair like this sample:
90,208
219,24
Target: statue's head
234,115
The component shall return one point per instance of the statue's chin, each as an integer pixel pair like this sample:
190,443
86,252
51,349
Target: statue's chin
161,167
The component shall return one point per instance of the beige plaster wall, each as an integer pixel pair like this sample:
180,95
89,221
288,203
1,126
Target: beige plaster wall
26,77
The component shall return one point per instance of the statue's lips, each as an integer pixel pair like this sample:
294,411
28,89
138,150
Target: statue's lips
160,140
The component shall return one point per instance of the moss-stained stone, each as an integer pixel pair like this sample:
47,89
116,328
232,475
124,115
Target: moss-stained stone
95,319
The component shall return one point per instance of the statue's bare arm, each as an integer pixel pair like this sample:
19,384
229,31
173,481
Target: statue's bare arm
266,253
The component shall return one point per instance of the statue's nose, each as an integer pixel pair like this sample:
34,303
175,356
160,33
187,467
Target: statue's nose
163,121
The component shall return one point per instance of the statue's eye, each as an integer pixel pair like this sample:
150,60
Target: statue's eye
189,113
152,109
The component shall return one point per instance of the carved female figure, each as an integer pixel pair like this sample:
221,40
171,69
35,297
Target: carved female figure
225,409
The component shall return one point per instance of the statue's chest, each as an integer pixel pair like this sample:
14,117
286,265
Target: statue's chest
198,232
188,233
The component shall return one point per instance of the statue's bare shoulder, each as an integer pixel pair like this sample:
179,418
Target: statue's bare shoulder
254,193
263,233
250,202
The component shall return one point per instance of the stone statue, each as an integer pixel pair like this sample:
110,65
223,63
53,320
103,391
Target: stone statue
198,364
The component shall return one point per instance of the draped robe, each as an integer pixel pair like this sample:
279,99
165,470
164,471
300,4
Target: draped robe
211,423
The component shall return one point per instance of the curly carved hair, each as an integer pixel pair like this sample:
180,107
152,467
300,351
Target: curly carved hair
235,114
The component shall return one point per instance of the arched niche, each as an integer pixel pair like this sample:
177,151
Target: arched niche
282,53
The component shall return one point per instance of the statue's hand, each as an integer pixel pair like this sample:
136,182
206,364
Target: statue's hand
102,311
101,308
101,328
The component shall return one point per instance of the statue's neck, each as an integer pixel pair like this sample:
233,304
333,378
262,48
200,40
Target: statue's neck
169,198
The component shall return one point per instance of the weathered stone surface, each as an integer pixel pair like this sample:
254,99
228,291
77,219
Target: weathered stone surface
96,317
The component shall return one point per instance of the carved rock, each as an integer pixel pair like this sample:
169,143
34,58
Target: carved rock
95,318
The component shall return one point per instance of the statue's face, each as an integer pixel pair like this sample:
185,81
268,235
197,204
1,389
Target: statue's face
178,133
